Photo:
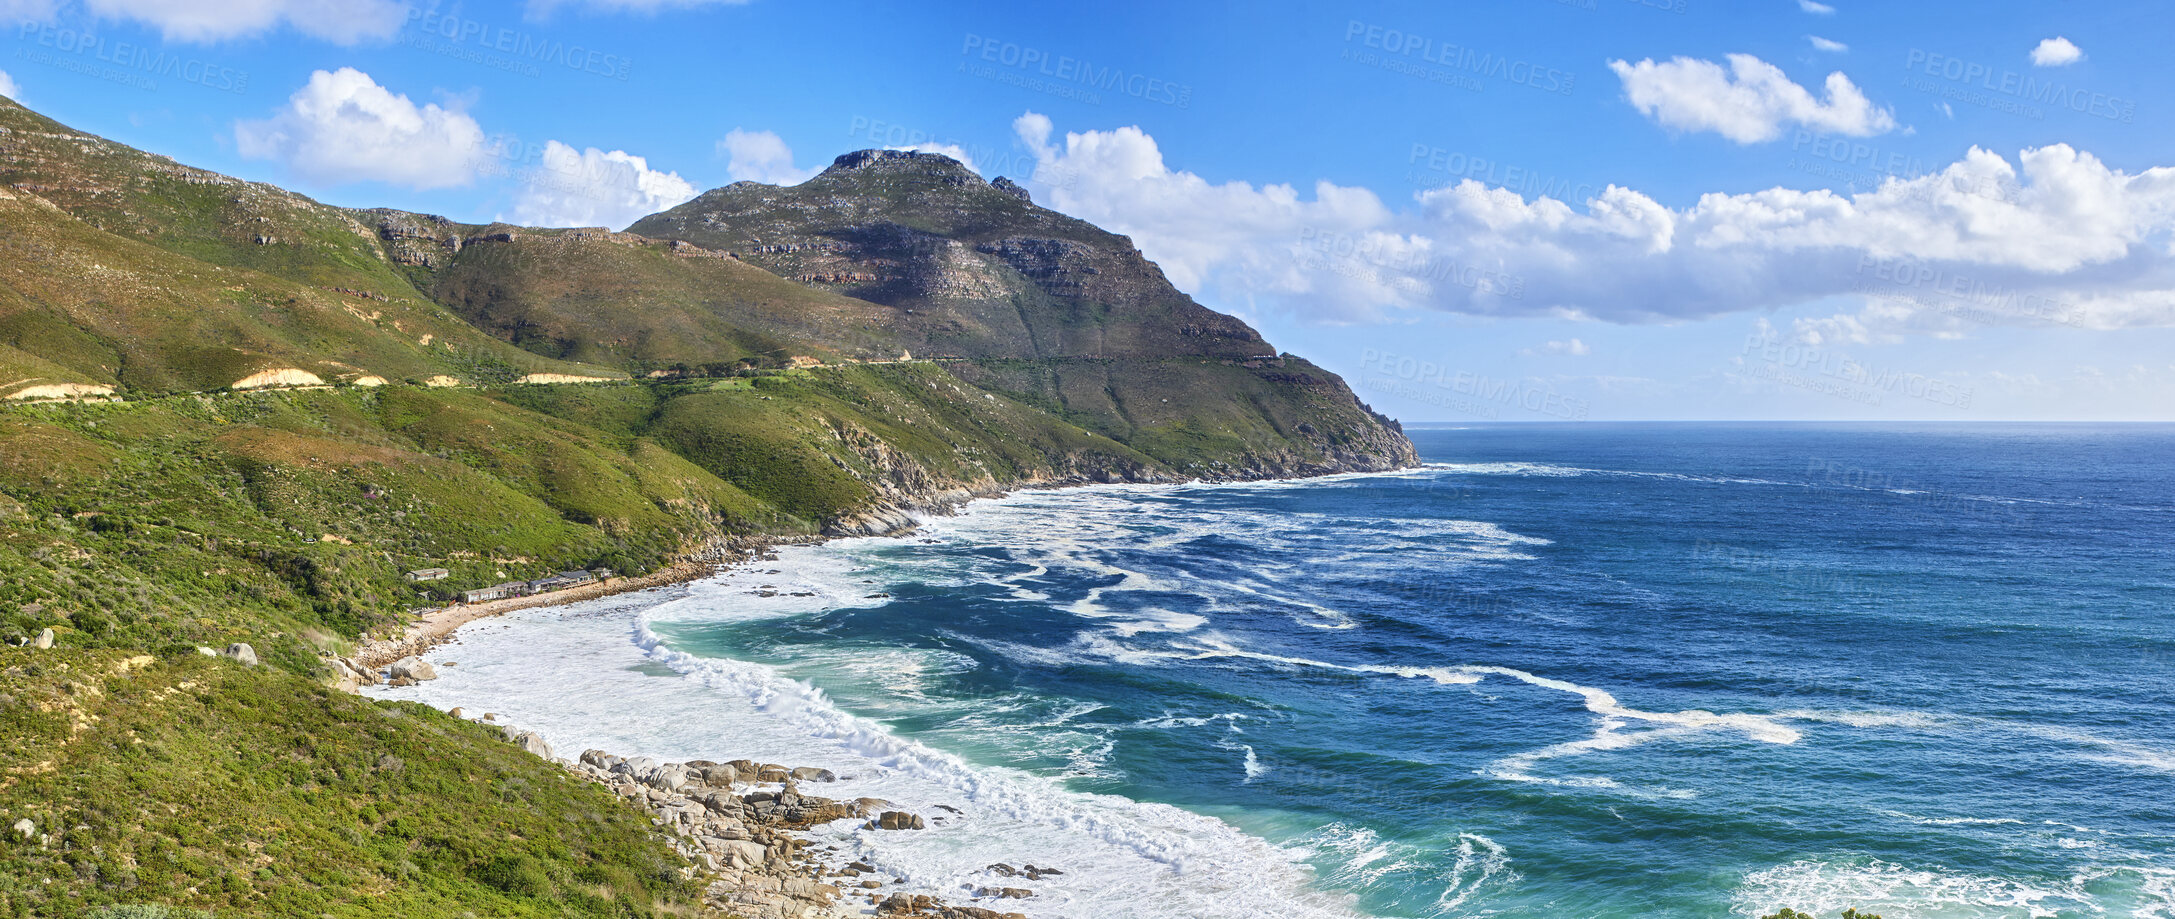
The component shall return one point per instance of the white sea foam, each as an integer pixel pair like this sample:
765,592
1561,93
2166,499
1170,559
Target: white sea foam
1609,735
584,676
1481,867
1825,888
1362,859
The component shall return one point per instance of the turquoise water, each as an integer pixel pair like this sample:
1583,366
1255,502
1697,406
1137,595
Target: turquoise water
1582,671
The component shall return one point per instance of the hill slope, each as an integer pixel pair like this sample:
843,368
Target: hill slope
749,406
135,272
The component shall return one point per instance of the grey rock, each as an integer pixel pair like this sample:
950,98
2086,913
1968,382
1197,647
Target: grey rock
241,653
26,828
530,741
813,774
899,820
414,668
668,777
44,639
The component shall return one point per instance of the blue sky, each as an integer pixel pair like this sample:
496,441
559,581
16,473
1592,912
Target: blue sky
1417,196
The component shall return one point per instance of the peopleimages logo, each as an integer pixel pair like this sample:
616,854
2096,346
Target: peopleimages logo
1066,74
1821,370
123,62
1458,58
1479,390
504,48
2016,86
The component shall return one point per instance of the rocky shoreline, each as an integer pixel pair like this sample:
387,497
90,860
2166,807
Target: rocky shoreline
738,821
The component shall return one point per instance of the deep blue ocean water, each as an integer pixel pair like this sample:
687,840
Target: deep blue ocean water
1580,671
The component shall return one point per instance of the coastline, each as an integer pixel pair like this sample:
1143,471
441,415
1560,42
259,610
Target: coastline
787,877
891,519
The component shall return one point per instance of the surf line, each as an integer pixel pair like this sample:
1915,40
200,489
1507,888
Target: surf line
1608,736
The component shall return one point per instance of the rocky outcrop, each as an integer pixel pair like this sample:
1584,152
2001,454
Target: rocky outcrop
276,378
1011,188
1049,310
58,391
409,671
738,821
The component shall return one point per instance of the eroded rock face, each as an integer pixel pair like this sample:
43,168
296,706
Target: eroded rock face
1042,307
976,268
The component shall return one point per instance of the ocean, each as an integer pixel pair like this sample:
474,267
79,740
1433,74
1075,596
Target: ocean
1586,670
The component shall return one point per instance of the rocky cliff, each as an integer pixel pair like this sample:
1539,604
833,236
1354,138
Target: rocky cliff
1052,310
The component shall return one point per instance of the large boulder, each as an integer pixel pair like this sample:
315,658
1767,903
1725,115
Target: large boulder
634,767
240,653
345,669
813,774
44,639
413,668
899,820
530,741
668,777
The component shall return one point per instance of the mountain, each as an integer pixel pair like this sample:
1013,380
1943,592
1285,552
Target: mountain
1045,308
133,272
232,414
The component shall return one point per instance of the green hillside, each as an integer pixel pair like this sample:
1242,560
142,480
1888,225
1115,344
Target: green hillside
132,271
747,400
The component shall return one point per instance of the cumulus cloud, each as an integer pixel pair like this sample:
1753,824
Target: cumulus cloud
954,151
1192,227
1750,102
590,188
1571,348
343,127
341,21
1815,8
2054,236
2056,52
1827,44
760,156
8,87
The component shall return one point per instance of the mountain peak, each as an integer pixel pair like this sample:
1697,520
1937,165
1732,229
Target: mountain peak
900,162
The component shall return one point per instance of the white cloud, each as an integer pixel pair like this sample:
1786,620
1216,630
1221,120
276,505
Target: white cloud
591,188
8,87
954,151
1748,103
2056,52
1815,8
342,21
343,127
2054,236
1827,44
760,156
1571,348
